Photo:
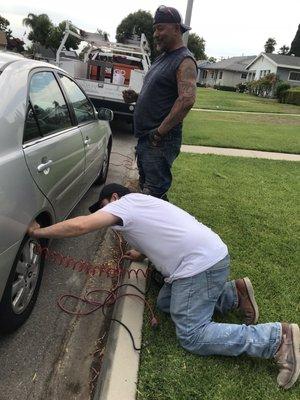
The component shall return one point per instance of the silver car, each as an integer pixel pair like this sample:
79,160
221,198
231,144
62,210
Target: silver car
53,147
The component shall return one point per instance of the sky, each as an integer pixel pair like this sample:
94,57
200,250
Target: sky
229,27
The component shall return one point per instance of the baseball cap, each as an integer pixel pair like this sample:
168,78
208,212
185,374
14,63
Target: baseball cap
106,192
169,15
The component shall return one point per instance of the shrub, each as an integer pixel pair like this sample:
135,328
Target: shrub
264,86
241,87
226,88
293,96
281,91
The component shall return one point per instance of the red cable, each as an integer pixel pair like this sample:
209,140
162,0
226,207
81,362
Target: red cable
112,295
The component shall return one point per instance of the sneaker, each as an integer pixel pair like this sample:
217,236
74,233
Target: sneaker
288,356
246,301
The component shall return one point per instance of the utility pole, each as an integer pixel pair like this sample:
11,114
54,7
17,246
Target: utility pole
187,21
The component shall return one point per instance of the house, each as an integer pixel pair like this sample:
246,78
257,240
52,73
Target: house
228,72
287,68
201,65
3,41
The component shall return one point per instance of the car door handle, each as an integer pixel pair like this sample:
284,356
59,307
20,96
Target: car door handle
44,166
87,141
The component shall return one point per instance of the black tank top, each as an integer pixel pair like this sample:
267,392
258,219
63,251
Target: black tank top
159,92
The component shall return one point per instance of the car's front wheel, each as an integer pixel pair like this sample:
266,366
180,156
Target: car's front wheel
22,287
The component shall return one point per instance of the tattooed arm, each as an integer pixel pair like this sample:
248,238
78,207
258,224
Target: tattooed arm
186,82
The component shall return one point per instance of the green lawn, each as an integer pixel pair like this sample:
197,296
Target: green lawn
246,131
252,204
217,99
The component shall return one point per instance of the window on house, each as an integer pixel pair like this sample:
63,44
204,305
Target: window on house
220,74
204,74
244,75
294,76
212,73
261,73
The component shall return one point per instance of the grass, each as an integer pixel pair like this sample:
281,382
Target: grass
231,101
267,132
252,204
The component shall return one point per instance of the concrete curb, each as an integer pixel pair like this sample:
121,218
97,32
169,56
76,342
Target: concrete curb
239,153
119,371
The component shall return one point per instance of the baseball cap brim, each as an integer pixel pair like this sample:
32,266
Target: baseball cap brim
185,28
95,207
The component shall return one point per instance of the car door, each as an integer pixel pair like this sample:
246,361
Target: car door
53,146
93,130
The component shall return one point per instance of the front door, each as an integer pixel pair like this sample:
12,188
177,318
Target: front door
53,148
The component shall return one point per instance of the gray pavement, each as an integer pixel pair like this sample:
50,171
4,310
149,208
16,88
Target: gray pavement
33,358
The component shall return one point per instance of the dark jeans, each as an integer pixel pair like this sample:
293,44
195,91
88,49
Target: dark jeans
154,164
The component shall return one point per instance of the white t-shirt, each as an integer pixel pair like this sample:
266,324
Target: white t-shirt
178,245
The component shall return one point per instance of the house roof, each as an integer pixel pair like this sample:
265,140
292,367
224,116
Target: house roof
238,64
279,60
201,63
3,41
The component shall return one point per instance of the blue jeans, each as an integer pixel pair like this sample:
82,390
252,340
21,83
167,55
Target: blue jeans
154,164
191,303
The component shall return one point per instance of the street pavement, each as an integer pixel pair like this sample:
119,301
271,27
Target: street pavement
32,358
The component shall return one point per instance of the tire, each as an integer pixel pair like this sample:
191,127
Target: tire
104,170
22,287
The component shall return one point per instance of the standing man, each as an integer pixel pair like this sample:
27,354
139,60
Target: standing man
167,95
195,263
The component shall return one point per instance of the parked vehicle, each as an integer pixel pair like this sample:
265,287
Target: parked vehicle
108,68
53,147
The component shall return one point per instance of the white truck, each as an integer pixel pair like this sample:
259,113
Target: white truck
107,68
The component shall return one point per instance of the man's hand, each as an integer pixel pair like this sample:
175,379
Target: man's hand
155,138
130,96
134,255
32,227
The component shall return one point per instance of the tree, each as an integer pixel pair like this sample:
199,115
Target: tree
56,35
196,45
40,26
137,23
13,44
43,32
295,45
4,23
270,45
103,34
284,50
212,59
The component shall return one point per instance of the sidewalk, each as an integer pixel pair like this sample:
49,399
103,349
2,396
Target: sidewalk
239,153
244,112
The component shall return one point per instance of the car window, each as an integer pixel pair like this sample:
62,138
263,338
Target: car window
82,107
48,103
31,130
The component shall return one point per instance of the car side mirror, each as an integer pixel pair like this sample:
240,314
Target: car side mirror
105,114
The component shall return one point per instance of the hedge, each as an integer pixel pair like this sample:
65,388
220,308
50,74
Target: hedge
293,96
226,88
